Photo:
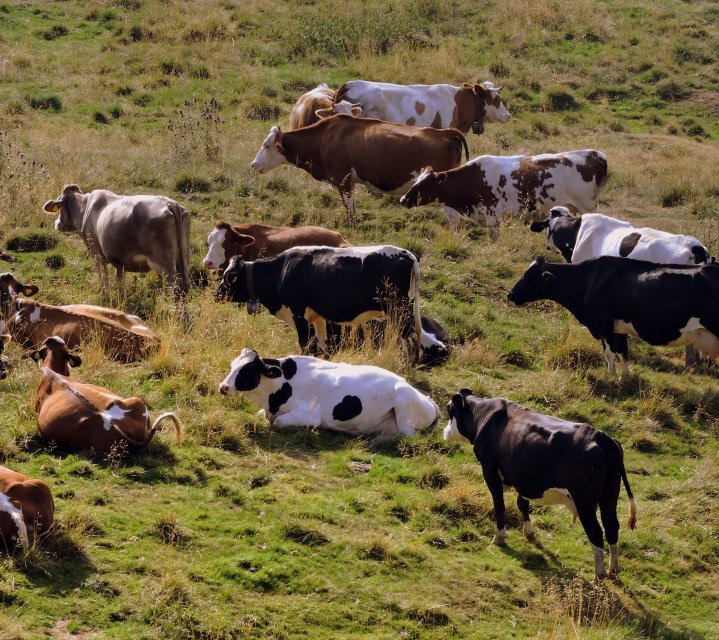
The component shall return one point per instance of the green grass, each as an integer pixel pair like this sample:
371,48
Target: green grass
242,532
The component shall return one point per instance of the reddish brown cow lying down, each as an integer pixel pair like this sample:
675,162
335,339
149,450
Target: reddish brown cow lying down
26,509
84,416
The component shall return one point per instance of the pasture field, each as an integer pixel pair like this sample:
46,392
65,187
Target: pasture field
245,532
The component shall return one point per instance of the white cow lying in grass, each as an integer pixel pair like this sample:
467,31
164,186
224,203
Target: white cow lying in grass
594,235
299,391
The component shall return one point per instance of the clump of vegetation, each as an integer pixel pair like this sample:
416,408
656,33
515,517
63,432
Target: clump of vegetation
561,100
192,184
54,32
304,535
55,261
46,103
32,242
167,529
434,479
100,118
262,109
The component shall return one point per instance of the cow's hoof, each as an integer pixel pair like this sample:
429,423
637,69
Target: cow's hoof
500,541
600,576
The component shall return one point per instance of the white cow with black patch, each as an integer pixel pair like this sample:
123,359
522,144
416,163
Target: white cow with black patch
594,234
299,391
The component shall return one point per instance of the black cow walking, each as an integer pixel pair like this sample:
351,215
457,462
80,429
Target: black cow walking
310,286
547,460
673,305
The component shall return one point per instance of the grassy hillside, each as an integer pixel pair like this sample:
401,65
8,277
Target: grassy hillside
244,532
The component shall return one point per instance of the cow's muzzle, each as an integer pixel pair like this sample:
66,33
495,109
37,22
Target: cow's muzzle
478,127
408,202
223,292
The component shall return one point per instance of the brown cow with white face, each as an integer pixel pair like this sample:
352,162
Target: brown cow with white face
84,416
346,151
317,104
26,509
252,241
133,233
427,105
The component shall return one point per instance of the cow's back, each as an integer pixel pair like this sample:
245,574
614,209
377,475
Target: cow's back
303,113
271,241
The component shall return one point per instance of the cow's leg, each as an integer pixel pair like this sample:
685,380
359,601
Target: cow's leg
611,359
492,220
621,348
608,510
453,217
120,279
306,416
101,268
387,430
494,484
587,511
303,331
523,506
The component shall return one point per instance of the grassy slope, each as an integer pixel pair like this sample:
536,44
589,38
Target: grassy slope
242,532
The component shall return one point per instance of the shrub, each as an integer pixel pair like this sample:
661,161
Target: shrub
46,103
561,100
170,68
192,184
124,91
167,529
671,91
56,31
32,242
303,535
200,72
100,118
116,111
55,261
675,195
142,99
263,110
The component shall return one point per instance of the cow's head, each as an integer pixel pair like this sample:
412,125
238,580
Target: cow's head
9,289
459,427
425,188
4,339
342,108
55,355
66,206
271,153
224,243
236,285
536,282
562,229
246,373
488,106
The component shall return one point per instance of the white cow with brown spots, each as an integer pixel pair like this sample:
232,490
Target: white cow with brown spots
441,106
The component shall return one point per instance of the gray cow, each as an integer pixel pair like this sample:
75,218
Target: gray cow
133,233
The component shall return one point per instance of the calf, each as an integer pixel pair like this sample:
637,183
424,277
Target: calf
133,233
253,240
547,460
494,186
10,288
672,305
427,105
594,234
300,391
346,151
26,509
84,416
123,337
4,339
306,286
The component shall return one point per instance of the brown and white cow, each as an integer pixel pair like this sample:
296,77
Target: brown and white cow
133,233
251,241
123,337
26,509
494,186
317,104
84,416
427,105
346,151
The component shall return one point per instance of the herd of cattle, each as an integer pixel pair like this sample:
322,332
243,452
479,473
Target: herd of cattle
620,281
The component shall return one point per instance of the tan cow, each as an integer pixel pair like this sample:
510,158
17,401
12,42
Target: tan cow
133,233
252,241
346,151
317,104
26,509
9,289
84,416
427,105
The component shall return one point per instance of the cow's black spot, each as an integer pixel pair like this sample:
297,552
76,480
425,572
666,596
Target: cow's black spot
279,397
289,368
628,243
247,377
350,407
700,254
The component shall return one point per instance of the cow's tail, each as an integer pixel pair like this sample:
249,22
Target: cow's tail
619,460
461,142
160,419
182,223
340,94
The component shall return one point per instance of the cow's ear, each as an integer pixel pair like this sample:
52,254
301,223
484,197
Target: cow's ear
356,111
51,207
75,360
548,277
271,371
29,290
538,226
477,89
324,113
442,177
466,392
5,338
42,354
245,240
539,260
458,401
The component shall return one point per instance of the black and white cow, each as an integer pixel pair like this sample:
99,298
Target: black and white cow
4,339
547,460
311,286
299,391
674,305
594,234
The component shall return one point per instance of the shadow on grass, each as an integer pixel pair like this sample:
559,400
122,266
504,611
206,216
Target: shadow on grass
57,563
